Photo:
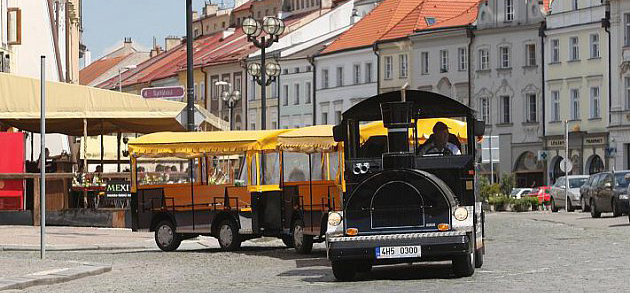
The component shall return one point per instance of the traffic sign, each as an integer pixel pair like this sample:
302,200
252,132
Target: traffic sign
611,151
543,155
568,167
163,92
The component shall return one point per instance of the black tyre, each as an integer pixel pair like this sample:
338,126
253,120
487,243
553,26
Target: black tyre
344,271
287,240
303,243
585,207
570,207
165,236
464,265
594,212
228,236
478,258
615,209
554,208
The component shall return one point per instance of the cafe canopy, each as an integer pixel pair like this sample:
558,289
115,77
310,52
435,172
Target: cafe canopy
70,108
311,139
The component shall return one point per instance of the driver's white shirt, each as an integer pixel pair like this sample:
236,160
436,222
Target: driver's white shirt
451,147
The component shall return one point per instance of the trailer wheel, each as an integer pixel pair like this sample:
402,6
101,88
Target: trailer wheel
464,265
228,236
344,270
165,236
303,243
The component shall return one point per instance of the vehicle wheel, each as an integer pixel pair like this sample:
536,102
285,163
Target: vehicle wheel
554,208
228,237
165,236
594,212
478,258
344,271
287,240
570,207
615,209
464,265
585,207
364,267
303,243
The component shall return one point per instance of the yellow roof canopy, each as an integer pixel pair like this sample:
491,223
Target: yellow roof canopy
425,129
194,144
311,139
67,105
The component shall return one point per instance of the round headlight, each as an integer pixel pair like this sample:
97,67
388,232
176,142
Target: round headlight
334,219
461,214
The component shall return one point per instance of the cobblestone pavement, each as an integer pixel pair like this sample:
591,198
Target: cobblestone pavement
526,252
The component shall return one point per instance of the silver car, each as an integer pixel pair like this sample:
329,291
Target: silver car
558,196
519,192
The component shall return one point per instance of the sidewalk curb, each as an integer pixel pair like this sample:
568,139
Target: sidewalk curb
55,277
68,247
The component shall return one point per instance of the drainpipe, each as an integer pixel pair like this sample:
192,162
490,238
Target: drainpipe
311,60
205,88
378,67
541,34
471,36
606,26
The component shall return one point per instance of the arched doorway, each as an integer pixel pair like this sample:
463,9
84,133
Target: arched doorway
529,171
554,169
595,164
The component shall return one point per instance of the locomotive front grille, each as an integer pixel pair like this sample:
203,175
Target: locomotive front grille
397,204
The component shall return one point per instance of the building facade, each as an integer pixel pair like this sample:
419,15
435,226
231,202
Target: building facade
619,127
576,85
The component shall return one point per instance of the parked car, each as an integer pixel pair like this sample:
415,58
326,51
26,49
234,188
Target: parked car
542,193
559,197
520,192
610,194
585,192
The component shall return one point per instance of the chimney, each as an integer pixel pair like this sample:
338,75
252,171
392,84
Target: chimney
127,43
87,58
228,32
326,4
195,15
210,9
155,51
171,42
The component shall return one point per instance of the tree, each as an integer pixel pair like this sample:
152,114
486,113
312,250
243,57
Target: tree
507,183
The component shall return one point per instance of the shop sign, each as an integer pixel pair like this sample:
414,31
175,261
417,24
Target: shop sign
554,143
163,92
594,140
118,188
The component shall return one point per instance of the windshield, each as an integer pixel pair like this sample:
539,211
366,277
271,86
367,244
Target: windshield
621,180
577,182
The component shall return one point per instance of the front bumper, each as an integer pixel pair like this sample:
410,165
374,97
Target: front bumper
434,246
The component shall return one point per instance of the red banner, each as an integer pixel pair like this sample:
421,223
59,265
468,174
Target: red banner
11,161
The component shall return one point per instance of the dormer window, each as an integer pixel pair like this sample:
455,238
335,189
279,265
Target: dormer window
509,10
430,20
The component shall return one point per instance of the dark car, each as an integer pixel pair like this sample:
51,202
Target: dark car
585,192
610,194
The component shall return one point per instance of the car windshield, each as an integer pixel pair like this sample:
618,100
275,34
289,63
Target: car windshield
621,180
577,182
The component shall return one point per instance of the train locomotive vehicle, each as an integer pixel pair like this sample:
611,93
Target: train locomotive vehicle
406,199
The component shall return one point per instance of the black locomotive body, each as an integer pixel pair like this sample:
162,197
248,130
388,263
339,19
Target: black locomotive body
401,204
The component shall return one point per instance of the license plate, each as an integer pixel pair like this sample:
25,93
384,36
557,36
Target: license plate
398,251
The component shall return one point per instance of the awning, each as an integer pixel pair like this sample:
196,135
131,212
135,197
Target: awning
193,144
312,139
67,105
425,129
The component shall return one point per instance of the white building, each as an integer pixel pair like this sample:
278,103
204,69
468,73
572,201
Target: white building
619,126
576,89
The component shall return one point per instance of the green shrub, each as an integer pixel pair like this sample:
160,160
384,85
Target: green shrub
507,183
523,204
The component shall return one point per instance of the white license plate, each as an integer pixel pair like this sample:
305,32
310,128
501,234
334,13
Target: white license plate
398,251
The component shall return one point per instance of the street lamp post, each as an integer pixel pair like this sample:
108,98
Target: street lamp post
120,70
230,97
273,27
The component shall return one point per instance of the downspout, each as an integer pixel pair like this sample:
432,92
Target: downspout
311,60
378,67
471,36
55,33
606,26
541,34
205,88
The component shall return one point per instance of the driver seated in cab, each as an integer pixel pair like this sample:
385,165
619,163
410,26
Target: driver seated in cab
438,143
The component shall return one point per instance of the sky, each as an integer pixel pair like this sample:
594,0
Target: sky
107,22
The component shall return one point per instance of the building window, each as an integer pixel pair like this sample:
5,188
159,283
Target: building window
214,93
484,59
402,60
308,68
14,26
505,57
555,51
202,91
531,108
296,70
443,61
424,59
555,106
337,117
531,54
484,108
627,29
308,92
575,104
388,67
325,78
356,73
595,109
574,45
505,109
339,76
595,46
429,20
368,72
627,82
509,10
324,118
285,92
574,4
463,59
296,100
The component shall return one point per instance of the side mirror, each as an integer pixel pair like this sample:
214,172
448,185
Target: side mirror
479,127
338,133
